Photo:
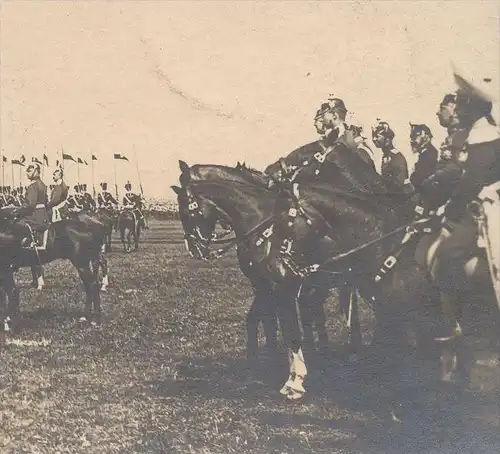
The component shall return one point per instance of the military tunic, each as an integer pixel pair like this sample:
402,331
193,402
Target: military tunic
394,172
425,166
33,210
105,199
58,195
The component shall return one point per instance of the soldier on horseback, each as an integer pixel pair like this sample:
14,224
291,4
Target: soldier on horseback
133,202
394,168
75,200
88,201
330,124
472,110
105,199
33,212
421,144
58,196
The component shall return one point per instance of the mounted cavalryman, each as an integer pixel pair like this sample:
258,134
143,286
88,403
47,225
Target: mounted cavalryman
472,106
421,145
134,202
394,168
58,196
33,211
88,201
105,199
75,200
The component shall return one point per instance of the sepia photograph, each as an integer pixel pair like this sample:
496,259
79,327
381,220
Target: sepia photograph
250,226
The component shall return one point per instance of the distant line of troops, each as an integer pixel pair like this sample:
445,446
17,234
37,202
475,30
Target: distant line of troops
37,207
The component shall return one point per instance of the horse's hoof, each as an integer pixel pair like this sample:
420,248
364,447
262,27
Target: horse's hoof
395,418
294,395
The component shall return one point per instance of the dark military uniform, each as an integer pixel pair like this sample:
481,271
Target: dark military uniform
58,195
394,172
425,166
75,202
482,168
33,209
134,200
58,203
88,202
437,189
106,200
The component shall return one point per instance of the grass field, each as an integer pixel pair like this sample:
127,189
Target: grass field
167,372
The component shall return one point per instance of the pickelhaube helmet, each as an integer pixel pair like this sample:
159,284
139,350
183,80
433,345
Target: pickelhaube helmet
33,166
382,128
336,105
417,129
104,186
128,186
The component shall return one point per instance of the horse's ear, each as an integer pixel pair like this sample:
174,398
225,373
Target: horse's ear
183,166
177,189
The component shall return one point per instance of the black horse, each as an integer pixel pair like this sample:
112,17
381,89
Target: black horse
79,239
373,245
314,291
130,229
251,209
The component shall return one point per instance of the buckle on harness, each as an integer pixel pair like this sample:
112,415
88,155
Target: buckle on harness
320,157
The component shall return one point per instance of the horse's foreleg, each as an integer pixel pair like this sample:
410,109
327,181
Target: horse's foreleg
103,264
319,317
11,321
287,314
137,234
304,303
252,322
37,275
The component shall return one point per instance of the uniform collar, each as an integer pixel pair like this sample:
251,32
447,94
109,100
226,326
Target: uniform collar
482,132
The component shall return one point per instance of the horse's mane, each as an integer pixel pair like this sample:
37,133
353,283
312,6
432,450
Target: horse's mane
244,166
393,202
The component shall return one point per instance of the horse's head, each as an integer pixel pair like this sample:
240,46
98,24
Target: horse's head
8,215
198,217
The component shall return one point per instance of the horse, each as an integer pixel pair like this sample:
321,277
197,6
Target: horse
459,284
251,209
375,248
129,227
108,214
76,239
313,293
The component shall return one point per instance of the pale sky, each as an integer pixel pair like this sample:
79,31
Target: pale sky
220,81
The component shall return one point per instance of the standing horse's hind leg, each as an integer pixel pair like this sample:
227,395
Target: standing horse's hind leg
93,297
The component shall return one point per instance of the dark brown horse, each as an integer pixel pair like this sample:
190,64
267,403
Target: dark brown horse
130,229
314,291
78,240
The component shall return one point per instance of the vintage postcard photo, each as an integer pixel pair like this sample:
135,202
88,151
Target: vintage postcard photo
249,226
